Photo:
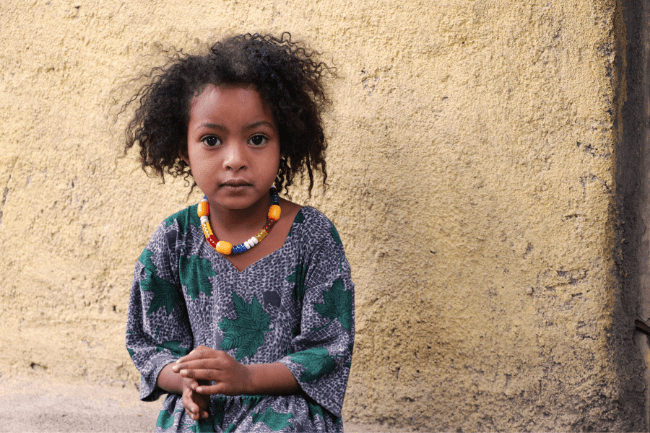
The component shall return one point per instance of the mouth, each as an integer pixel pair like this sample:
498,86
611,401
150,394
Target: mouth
235,184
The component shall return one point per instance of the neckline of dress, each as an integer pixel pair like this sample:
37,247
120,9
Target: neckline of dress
254,264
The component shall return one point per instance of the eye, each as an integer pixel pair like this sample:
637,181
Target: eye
211,141
258,140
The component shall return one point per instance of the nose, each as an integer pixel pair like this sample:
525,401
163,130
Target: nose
235,156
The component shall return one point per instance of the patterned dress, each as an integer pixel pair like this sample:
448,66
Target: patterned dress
294,306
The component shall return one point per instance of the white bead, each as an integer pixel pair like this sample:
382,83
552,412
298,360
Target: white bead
205,219
247,245
253,241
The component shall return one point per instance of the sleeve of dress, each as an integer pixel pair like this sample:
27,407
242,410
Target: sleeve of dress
158,330
321,354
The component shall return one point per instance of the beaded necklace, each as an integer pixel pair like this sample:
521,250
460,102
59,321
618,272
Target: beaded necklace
226,248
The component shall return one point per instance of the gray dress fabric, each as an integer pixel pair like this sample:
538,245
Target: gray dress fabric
294,306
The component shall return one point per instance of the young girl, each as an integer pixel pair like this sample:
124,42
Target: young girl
242,307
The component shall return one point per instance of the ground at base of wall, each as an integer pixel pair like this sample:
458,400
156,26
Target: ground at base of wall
40,404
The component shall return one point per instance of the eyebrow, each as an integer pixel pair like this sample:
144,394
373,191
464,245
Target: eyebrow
246,128
256,124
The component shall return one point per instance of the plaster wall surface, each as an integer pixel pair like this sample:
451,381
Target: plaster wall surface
472,166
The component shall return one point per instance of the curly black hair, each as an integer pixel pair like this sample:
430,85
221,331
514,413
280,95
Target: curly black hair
288,77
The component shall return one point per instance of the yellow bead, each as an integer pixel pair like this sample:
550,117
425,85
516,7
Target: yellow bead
207,230
203,209
224,247
261,235
274,212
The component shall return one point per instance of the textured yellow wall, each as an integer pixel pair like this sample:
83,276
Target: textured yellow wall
472,164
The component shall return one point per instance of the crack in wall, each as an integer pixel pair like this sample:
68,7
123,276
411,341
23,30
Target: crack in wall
6,189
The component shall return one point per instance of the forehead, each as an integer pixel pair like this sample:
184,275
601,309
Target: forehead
228,101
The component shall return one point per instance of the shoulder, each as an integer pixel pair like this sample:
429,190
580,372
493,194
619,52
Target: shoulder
180,226
183,219
312,226
175,236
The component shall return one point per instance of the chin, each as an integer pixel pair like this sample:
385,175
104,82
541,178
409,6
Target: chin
237,203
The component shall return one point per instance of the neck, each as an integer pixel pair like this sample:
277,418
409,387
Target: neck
236,225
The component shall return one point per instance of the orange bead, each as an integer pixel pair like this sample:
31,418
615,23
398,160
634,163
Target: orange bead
203,209
274,212
224,247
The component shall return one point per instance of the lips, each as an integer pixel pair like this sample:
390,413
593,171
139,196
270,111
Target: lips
234,183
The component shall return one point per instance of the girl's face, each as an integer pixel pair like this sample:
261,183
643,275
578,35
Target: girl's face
233,147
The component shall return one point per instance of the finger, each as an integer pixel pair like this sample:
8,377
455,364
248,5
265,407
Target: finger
192,415
199,364
198,410
198,353
201,375
191,384
215,388
192,410
210,362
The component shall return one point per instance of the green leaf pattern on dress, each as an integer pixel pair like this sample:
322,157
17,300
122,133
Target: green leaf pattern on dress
314,410
251,400
316,362
165,419
174,347
145,259
165,294
194,272
337,305
246,332
274,420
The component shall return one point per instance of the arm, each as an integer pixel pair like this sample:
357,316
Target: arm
158,330
273,378
320,355
193,374
231,377
170,381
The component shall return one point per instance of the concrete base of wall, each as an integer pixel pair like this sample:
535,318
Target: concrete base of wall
40,403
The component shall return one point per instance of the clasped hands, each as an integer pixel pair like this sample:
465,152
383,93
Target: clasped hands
207,371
